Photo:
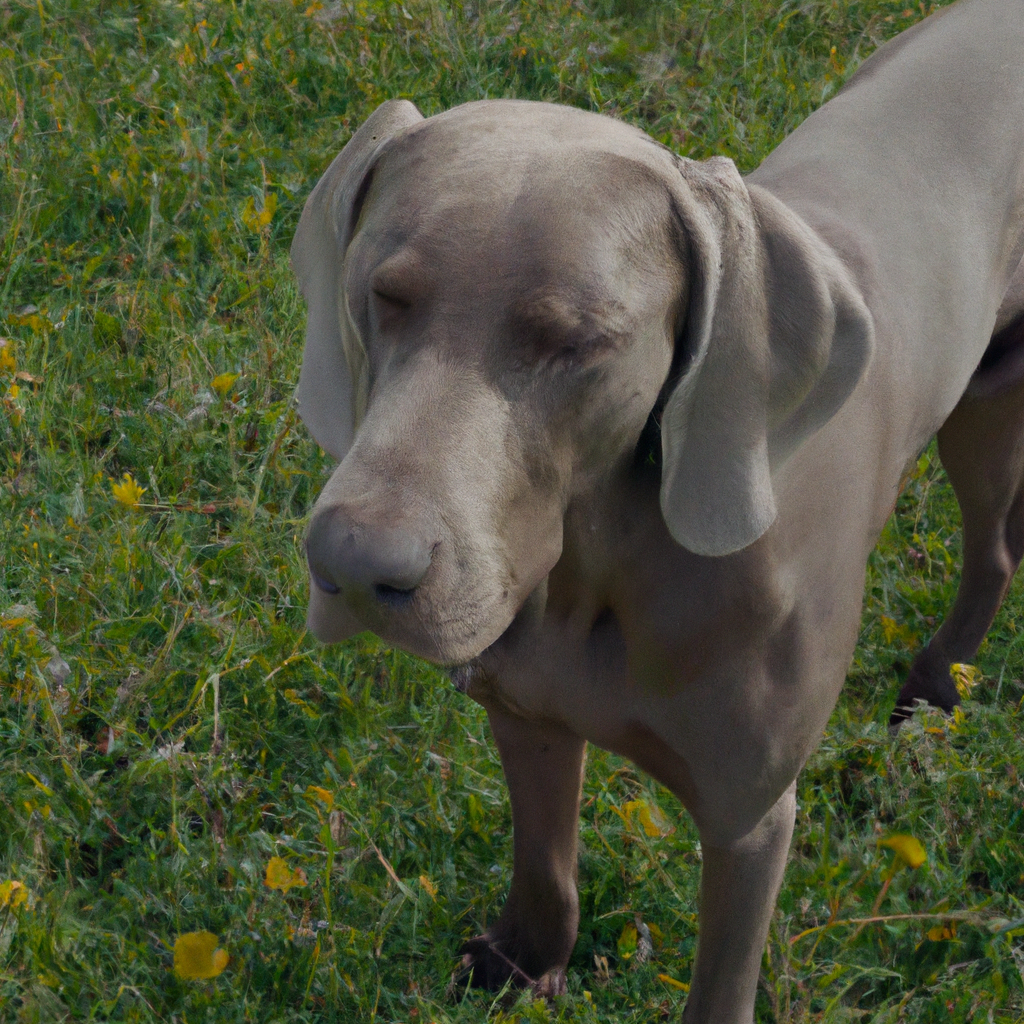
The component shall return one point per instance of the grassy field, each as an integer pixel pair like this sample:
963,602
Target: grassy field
178,756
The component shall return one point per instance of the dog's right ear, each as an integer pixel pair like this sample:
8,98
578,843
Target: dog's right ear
333,380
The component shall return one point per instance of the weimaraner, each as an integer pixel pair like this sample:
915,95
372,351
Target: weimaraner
617,431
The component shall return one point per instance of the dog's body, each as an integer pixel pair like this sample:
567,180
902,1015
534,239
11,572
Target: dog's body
504,298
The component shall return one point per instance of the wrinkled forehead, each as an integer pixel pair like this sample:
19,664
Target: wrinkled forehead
518,183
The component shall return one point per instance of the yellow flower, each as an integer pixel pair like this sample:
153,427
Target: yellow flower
942,932
255,220
11,404
280,876
197,957
907,848
650,817
127,492
13,894
7,355
324,796
222,383
965,676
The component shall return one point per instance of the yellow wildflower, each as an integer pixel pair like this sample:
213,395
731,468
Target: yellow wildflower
196,956
255,220
907,848
222,383
12,406
127,492
965,676
7,361
280,876
324,796
13,894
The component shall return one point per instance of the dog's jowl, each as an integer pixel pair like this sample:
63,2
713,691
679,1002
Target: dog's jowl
513,306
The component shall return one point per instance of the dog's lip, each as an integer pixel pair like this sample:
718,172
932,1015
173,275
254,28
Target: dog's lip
465,675
325,585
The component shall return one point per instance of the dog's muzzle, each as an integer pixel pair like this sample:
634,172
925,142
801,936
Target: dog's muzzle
380,563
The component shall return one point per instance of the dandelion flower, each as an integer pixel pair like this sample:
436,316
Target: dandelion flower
196,956
127,492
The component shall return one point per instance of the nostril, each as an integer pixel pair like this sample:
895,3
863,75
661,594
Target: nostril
325,585
383,561
393,596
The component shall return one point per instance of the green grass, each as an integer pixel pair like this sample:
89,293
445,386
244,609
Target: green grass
154,158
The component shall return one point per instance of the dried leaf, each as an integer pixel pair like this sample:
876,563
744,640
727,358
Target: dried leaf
644,944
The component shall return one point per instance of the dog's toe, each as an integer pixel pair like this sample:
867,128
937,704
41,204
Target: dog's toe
486,963
550,985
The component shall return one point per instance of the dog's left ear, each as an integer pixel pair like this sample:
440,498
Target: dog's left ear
776,337
332,382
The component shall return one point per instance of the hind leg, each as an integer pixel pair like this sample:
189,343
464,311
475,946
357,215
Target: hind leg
982,449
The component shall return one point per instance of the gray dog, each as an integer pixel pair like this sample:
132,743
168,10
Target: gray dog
618,430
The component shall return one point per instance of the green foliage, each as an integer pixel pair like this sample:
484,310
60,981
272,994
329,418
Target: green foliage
166,726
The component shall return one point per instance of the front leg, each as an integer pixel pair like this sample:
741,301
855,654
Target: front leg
532,939
738,887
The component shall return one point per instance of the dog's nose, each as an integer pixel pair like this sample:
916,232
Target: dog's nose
390,561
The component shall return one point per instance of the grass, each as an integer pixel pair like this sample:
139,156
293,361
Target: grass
166,725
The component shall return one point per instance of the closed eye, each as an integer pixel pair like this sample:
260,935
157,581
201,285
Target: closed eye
389,309
578,351
389,299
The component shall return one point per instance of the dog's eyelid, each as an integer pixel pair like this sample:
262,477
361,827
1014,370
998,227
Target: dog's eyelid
579,350
593,342
392,298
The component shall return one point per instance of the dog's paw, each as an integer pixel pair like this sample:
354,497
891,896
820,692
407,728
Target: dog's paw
550,985
486,964
928,681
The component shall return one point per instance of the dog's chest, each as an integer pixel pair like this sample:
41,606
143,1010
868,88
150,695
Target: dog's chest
626,620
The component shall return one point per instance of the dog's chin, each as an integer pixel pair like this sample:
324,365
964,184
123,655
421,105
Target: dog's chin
448,648
450,644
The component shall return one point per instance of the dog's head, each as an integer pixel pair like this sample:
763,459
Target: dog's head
497,298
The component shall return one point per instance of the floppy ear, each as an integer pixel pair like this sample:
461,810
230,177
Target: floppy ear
333,380
776,338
